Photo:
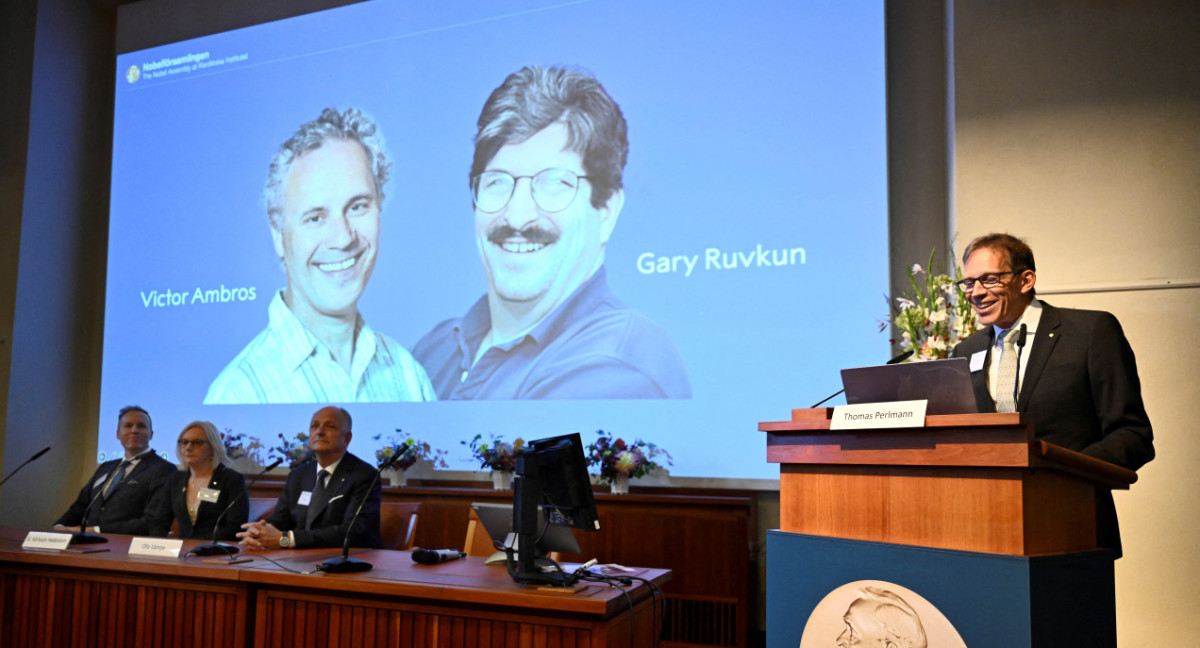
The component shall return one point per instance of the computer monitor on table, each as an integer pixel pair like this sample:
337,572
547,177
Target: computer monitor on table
551,475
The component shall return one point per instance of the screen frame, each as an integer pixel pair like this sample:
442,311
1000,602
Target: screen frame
699,477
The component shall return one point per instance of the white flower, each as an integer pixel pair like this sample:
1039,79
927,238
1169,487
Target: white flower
916,269
904,303
938,316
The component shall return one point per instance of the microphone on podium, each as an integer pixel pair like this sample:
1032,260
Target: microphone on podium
896,360
1021,334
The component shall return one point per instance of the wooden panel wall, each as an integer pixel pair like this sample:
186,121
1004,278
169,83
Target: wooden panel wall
302,620
47,607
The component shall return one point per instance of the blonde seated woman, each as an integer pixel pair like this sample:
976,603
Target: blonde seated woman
200,491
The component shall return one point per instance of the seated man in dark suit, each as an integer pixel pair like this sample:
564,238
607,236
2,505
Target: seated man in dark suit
1071,373
122,488
321,496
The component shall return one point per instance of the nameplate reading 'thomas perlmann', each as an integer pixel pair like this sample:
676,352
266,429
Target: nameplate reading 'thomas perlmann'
900,414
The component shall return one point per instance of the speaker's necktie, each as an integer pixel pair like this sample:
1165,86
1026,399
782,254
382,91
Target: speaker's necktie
1006,378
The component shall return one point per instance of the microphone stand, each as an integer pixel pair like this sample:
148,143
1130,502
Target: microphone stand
27,461
898,359
82,536
1020,349
216,546
344,564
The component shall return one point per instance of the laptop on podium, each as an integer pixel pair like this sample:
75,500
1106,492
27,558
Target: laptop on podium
945,384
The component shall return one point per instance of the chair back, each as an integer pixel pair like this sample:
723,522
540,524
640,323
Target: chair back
261,508
398,524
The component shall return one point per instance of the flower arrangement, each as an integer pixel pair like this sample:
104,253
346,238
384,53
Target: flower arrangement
415,449
935,317
238,446
500,455
295,451
616,458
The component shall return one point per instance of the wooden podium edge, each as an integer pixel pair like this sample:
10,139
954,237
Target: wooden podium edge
1039,455
817,419
1098,471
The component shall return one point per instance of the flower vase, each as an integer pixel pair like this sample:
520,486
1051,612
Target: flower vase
246,465
501,480
620,485
396,478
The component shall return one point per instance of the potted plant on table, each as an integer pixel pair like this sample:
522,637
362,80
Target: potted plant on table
414,451
498,455
618,461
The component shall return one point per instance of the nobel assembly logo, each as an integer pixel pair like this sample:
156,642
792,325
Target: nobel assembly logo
133,74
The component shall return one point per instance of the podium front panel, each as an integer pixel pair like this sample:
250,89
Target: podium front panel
1011,511
956,598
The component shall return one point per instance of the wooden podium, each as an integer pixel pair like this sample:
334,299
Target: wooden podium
993,528
972,482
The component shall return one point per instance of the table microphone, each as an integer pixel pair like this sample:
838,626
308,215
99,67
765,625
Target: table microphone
436,556
216,546
82,536
344,564
898,359
27,461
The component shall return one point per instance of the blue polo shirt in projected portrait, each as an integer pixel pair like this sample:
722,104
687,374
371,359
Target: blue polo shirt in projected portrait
591,346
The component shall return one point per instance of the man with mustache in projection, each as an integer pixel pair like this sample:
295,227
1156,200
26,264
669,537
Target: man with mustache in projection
550,151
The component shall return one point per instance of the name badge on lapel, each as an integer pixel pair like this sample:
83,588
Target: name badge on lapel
305,498
210,495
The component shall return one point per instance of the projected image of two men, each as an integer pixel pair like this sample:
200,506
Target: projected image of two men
546,189
524,218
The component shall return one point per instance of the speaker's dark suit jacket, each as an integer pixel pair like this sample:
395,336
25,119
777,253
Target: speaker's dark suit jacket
171,505
353,480
1080,391
127,509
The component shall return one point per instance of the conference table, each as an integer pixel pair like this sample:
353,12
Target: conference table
112,598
